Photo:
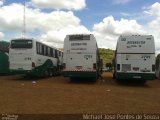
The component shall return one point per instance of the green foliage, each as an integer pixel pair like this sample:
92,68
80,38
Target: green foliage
107,55
4,46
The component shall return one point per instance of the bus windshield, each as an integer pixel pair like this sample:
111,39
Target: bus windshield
21,44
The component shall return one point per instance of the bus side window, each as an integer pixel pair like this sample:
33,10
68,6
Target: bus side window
56,54
37,47
51,52
45,50
59,53
42,49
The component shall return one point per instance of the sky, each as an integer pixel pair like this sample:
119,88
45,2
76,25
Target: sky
49,21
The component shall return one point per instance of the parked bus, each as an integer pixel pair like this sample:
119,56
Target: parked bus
81,57
158,66
4,61
31,57
135,58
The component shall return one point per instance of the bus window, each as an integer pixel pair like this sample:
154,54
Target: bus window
53,53
56,54
49,53
38,48
45,50
42,49
59,53
21,44
79,37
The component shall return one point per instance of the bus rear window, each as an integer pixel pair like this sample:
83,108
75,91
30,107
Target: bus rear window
79,37
21,44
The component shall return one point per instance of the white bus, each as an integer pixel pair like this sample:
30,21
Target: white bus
135,58
81,57
31,57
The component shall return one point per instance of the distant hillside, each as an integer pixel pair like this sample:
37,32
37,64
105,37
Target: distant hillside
106,54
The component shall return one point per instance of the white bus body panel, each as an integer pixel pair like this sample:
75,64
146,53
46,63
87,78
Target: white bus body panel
20,59
80,55
135,54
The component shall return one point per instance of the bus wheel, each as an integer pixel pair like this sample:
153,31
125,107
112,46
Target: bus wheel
50,73
46,73
114,77
159,76
54,73
94,79
142,82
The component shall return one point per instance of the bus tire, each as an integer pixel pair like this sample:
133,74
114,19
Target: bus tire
45,73
114,77
50,73
94,80
54,73
142,82
158,75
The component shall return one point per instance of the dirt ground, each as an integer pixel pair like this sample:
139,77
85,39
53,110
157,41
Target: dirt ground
59,95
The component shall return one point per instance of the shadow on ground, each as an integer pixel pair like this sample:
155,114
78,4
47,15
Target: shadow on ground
82,81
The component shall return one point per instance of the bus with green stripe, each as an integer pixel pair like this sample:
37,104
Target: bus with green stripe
81,57
135,58
31,57
4,58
